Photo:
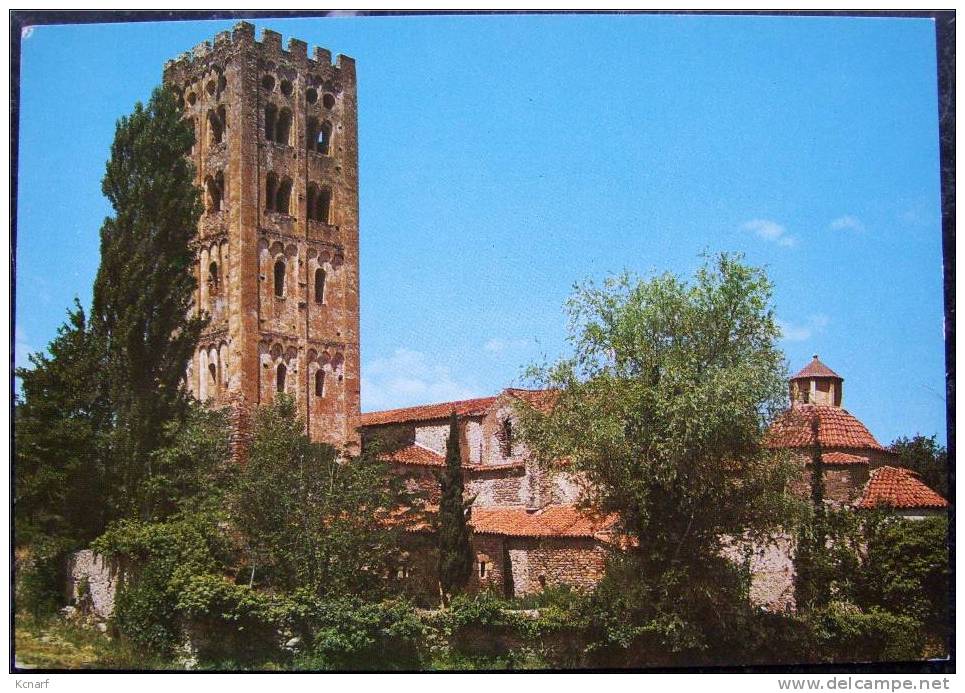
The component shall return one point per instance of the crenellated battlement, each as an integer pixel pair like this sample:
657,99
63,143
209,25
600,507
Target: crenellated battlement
242,36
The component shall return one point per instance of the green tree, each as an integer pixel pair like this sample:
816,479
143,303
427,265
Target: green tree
144,287
308,518
455,549
59,477
662,410
925,456
906,569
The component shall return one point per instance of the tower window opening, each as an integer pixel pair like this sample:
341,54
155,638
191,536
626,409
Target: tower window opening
483,569
328,101
216,124
280,375
319,285
323,142
311,95
319,383
271,117
215,188
280,278
213,279
271,190
323,205
283,127
268,82
286,87
283,197
213,373
311,134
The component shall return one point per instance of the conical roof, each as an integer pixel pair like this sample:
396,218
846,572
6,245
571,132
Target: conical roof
837,428
816,369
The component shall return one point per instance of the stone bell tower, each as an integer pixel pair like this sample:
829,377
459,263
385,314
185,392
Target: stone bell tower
276,154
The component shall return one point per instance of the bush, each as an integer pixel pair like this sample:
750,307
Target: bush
349,633
40,576
842,632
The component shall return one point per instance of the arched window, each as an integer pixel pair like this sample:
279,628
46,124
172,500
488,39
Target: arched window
312,196
215,189
213,373
319,285
214,281
216,124
271,191
323,205
271,116
280,278
284,127
311,134
283,198
280,377
319,383
323,143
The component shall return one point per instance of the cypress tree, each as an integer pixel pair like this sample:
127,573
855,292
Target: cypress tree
455,550
144,287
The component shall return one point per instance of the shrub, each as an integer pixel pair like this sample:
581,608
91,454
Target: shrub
349,633
842,632
40,575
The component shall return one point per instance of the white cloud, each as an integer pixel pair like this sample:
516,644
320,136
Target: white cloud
497,345
770,231
801,332
847,223
407,378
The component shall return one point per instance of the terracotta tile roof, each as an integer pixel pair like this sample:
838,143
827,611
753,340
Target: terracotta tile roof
816,369
841,458
837,429
416,455
551,521
541,399
420,456
898,488
427,412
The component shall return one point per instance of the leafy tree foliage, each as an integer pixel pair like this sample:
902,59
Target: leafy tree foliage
925,456
59,476
662,410
144,287
455,550
310,519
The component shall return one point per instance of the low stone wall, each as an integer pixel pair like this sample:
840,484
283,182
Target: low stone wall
91,585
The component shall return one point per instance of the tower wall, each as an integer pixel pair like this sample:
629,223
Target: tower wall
276,155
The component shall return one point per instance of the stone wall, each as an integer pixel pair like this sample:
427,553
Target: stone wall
91,585
539,562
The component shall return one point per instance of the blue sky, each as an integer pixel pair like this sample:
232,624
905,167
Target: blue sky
503,158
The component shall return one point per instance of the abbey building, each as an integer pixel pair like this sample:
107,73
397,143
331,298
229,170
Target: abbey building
278,271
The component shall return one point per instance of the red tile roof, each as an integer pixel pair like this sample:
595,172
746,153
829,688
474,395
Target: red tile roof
551,521
465,407
899,488
841,458
428,412
836,427
415,454
420,456
816,369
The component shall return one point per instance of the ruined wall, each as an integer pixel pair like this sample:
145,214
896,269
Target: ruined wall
276,155
772,569
91,585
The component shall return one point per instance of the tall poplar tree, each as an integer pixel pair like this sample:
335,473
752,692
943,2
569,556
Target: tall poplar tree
455,550
142,310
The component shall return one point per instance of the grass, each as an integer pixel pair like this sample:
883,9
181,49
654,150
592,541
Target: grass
53,643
